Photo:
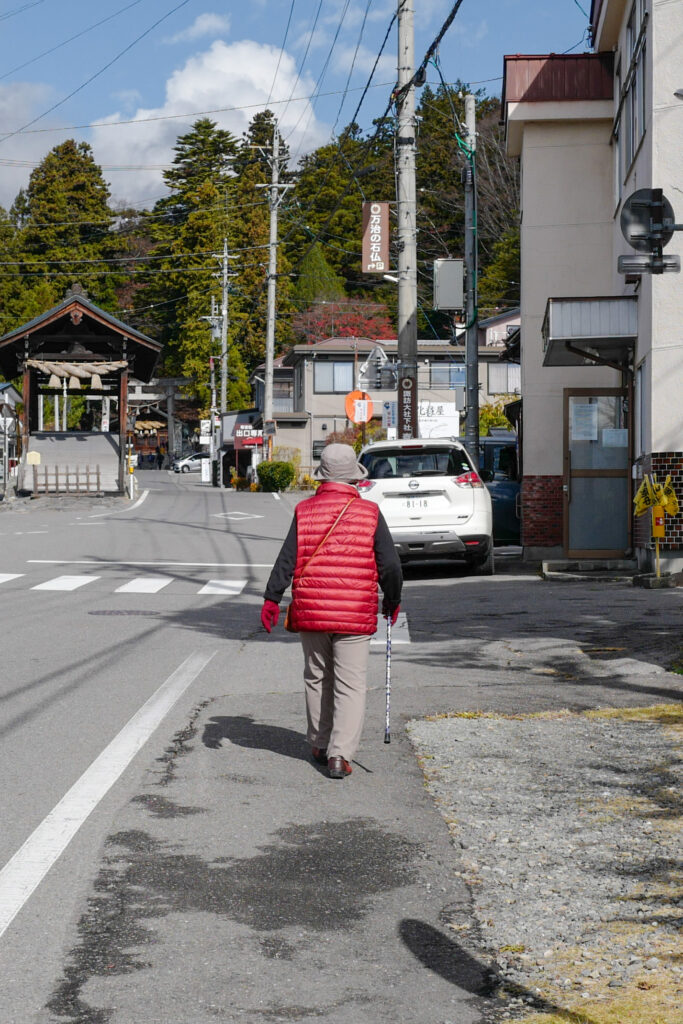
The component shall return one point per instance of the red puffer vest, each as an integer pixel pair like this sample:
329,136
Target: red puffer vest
338,591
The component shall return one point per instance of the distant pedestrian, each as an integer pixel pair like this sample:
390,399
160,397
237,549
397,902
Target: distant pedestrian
337,549
160,457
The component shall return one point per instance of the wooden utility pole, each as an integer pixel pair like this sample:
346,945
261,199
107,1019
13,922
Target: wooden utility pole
407,231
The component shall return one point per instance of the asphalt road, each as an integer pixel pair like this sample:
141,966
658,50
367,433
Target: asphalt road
168,852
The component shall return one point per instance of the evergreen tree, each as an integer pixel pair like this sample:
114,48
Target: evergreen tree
64,224
499,284
316,281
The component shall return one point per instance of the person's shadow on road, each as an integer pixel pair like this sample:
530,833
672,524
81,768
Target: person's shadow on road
245,732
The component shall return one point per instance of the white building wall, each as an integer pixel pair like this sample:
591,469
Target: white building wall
665,40
567,250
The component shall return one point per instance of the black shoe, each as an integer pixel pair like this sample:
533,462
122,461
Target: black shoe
319,756
338,767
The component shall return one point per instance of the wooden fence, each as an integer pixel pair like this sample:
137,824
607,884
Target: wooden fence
65,480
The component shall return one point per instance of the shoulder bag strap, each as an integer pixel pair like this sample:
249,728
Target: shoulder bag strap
308,561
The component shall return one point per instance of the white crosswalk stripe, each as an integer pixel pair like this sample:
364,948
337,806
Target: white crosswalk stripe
66,583
232,587
144,585
5,577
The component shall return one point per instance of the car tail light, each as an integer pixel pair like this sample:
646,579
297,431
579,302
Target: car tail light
468,480
365,485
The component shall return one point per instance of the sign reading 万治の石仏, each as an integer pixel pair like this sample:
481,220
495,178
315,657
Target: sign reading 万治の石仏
375,238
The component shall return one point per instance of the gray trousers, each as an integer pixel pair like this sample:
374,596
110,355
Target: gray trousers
335,675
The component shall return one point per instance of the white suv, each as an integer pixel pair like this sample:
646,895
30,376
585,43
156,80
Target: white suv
433,500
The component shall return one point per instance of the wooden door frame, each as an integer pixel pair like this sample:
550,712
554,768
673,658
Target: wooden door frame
626,393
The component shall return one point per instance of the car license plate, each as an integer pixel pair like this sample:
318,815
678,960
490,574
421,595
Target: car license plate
411,503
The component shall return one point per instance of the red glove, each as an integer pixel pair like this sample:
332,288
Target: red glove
270,613
390,613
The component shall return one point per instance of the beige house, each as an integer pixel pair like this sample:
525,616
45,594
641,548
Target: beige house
311,382
601,351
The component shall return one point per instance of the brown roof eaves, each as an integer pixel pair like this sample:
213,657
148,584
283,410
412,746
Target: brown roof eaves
557,77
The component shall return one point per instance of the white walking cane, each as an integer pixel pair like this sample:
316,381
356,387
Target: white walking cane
387,721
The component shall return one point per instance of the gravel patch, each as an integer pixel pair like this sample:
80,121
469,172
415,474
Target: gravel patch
567,831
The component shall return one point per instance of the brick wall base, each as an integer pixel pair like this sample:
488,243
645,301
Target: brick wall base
662,464
542,511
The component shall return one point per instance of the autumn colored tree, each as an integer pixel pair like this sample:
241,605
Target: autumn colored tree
344,318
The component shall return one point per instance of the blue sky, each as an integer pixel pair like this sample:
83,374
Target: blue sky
198,55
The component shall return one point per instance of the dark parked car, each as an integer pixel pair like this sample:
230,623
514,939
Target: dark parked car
499,469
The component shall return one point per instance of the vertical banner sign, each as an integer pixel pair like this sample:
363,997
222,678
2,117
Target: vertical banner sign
407,407
375,238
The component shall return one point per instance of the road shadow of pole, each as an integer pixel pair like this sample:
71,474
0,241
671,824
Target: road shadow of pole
454,964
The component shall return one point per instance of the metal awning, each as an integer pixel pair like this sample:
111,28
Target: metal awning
581,332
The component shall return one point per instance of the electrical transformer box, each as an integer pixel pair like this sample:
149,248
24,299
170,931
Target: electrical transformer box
448,284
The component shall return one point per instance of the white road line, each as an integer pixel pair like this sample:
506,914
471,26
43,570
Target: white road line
5,577
65,583
276,496
29,865
144,585
117,512
233,587
400,633
186,565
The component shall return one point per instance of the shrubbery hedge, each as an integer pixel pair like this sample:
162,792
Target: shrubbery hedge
275,476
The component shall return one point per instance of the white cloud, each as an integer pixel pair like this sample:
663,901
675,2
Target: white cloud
236,74
203,25
19,103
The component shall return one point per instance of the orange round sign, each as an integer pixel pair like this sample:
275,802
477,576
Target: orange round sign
358,406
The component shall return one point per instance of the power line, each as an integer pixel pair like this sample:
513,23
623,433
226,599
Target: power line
303,59
143,214
58,46
322,74
282,50
353,63
100,71
19,10
188,115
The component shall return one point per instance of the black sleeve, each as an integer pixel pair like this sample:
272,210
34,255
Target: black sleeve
283,570
388,564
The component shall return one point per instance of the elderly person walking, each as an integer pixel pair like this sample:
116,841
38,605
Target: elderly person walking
337,549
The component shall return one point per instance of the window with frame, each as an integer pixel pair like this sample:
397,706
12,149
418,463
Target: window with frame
447,375
630,122
504,379
332,378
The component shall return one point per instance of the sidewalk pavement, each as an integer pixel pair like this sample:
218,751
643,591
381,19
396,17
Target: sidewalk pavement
241,884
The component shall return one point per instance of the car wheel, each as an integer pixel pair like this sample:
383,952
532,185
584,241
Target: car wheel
184,469
488,566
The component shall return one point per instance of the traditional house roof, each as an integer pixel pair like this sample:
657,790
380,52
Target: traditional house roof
76,329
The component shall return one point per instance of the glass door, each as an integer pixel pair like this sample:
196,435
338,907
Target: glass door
597,485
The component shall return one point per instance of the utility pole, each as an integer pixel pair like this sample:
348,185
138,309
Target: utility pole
272,282
213,414
472,330
224,330
276,192
407,231
219,328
